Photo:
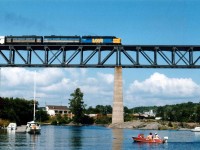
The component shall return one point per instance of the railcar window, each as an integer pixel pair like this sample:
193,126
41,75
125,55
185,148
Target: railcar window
8,39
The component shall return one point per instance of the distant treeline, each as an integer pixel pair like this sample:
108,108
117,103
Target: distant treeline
21,111
184,112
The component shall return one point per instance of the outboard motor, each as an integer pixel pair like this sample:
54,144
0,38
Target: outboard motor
165,139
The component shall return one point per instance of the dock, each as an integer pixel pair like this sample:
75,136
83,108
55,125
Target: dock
21,129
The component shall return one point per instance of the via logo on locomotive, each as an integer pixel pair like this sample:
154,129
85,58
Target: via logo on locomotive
94,40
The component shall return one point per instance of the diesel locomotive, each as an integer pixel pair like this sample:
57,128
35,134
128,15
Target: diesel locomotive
107,40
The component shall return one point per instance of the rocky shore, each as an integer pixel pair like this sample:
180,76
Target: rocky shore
154,125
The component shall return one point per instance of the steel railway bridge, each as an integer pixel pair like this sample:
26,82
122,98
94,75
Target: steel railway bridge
102,56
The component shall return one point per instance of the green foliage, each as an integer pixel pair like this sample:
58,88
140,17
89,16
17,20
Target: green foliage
103,120
100,109
127,111
59,120
128,117
4,123
87,120
170,124
76,106
143,109
16,110
41,115
185,112
54,122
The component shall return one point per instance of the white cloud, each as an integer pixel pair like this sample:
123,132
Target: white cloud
55,85
15,77
159,89
108,78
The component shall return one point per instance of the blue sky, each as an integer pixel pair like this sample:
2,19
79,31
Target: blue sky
137,22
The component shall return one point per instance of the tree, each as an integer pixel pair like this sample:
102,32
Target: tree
41,115
104,110
16,110
76,105
197,114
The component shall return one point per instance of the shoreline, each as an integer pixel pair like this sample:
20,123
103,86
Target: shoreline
154,125
143,125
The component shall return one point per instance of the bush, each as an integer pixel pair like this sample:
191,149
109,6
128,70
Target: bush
103,120
170,124
4,123
54,122
58,120
87,120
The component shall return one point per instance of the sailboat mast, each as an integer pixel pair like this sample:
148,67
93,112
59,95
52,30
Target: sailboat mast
34,92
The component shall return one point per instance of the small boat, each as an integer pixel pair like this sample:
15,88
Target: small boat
12,126
33,127
196,129
142,139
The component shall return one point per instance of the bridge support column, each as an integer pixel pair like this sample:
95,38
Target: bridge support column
118,108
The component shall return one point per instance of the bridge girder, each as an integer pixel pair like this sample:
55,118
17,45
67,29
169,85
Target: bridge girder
100,56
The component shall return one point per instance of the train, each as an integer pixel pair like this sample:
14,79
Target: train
33,39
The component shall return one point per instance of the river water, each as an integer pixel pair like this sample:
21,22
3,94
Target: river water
94,138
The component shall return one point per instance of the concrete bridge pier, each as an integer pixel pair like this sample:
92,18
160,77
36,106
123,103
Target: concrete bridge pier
118,108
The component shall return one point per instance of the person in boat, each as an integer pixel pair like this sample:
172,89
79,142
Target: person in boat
156,136
150,136
140,135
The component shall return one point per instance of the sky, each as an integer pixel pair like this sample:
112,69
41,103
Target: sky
136,22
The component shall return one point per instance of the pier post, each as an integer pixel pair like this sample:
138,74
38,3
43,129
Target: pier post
118,108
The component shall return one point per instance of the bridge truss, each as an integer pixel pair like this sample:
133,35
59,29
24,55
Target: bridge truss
100,56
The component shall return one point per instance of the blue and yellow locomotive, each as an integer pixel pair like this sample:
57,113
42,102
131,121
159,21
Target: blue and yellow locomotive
100,40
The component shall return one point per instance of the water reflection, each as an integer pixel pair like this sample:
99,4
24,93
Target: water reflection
117,139
34,139
76,137
141,145
91,137
197,134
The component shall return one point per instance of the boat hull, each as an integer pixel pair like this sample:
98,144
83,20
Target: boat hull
12,126
196,129
33,131
193,130
144,140
33,127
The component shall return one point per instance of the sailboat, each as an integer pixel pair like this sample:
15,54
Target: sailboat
33,127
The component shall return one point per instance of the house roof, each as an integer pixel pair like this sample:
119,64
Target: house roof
57,107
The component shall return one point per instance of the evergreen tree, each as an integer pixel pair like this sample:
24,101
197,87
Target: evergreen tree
76,106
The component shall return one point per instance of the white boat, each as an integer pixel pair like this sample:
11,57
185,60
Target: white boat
33,127
196,129
12,126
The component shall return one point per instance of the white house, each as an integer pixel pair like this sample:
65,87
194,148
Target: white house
149,114
52,110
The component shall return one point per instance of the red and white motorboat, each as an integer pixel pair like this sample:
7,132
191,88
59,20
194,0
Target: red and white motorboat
146,140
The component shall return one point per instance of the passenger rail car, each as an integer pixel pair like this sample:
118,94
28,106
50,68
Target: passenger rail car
57,40
62,39
23,40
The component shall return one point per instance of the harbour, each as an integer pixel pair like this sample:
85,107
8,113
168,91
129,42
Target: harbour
94,137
